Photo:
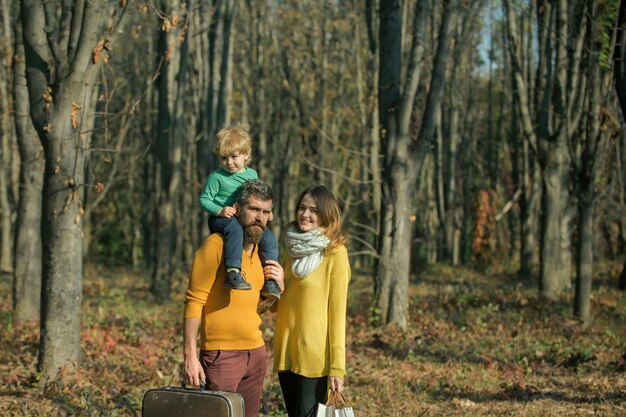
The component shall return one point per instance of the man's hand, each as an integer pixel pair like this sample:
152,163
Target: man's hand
192,369
227,212
193,373
273,270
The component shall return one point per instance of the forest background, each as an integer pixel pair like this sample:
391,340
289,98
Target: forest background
478,150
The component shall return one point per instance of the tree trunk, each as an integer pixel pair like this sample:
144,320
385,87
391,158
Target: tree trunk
6,211
584,261
169,148
554,128
392,280
558,91
530,205
591,146
622,278
226,79
439,193
530,174
619,58
6,132
491,156
218,86
403,156
429,215
27,270
453,218
452,224
61,78
554,274
371,126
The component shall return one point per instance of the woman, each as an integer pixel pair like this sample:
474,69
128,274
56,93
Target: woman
309,346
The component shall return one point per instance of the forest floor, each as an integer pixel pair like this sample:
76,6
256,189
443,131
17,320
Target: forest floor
478,344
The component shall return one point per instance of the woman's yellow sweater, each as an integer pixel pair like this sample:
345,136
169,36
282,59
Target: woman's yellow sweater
311,319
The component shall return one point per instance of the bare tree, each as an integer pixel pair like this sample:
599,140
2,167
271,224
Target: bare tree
403,155
65,45
590,148
548,123
168,149
452,134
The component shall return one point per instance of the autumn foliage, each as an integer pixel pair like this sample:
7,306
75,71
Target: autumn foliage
477,345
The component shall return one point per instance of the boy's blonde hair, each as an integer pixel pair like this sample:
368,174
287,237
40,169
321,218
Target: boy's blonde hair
233,139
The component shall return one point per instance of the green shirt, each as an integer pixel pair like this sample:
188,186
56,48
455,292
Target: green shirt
220,188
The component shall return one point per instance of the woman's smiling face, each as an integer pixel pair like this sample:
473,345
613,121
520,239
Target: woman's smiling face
307,214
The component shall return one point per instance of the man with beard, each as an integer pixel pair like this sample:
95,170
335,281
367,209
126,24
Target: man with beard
232,350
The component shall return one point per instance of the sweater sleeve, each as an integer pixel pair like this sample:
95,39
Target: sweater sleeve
208,194
338,298
202,277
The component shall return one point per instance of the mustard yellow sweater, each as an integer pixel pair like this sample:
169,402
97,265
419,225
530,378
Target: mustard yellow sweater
311,319
229,317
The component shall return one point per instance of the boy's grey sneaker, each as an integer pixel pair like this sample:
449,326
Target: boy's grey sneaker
271,290
235,281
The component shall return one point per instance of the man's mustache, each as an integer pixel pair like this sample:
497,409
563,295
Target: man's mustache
259,224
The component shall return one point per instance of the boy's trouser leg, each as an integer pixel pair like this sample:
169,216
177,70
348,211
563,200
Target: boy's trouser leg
302,394
239,371
268,248
233,238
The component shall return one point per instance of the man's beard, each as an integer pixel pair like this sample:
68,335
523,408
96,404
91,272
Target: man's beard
252,233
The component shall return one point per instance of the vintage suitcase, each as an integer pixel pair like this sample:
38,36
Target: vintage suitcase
183,402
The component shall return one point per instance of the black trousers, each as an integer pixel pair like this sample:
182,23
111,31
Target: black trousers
301,394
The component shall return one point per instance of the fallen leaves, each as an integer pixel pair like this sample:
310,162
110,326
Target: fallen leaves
476,345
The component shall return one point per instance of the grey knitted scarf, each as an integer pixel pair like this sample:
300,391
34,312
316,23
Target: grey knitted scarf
306,249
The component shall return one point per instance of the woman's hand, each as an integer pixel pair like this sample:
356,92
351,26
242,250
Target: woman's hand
336,383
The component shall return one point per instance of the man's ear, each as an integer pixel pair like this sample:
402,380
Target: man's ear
236,206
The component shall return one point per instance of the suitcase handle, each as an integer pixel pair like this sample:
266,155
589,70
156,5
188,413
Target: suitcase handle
201,386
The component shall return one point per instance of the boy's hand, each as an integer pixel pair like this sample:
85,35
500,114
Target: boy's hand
227,212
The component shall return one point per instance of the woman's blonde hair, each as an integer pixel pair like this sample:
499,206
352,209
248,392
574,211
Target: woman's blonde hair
328,214
233,139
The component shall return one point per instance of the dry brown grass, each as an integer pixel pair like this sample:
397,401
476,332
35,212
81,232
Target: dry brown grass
477,345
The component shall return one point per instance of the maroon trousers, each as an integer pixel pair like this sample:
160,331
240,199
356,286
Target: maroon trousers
239,371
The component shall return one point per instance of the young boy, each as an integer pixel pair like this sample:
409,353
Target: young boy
233,147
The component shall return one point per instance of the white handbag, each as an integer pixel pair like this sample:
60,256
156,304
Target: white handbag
324,410
336,406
